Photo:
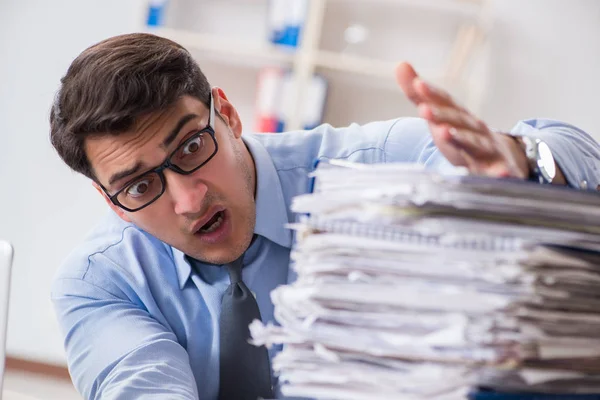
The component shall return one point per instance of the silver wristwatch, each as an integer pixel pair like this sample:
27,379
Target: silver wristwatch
542,167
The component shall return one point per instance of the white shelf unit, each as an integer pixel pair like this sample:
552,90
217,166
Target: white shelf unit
465,52
258,51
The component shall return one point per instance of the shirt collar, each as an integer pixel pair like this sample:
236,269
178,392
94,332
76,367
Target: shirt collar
271,210
183,266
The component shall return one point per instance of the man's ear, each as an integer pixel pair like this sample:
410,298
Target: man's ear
118,210
227,111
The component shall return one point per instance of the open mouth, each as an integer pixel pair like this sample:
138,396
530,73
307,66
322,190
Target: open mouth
213,224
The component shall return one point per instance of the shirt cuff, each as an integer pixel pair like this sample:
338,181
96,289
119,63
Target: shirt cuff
575,152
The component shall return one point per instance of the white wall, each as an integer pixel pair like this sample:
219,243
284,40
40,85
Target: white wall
44,208
546,60
546,63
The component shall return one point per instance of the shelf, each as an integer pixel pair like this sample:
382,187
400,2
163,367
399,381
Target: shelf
358,98
356,64
468,8
218,44
382,71
432,34
266,53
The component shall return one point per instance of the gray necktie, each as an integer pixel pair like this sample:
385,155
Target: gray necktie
245,371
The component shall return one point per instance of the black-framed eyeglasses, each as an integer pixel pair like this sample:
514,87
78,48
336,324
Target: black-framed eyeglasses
187,158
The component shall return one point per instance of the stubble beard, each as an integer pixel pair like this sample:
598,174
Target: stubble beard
248,208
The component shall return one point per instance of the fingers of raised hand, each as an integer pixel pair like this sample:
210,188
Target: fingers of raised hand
434,95
405,76
476,145
457,118
480,147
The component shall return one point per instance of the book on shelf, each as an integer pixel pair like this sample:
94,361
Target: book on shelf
275,100
286,20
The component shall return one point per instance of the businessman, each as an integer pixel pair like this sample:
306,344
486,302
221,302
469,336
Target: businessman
155,302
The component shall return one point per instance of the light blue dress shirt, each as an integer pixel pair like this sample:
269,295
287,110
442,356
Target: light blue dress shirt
140,321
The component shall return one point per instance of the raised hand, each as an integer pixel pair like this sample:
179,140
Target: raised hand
461,137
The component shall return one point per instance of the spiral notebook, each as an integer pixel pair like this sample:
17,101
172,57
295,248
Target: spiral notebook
427,204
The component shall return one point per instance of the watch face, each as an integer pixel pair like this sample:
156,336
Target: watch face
545,161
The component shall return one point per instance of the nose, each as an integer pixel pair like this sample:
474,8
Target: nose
186,192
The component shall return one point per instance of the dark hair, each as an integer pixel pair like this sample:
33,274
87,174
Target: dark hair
112,83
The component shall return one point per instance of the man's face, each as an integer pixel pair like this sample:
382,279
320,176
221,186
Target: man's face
209,214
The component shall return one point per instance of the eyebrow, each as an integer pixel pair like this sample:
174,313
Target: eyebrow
122,174
168,140
173,135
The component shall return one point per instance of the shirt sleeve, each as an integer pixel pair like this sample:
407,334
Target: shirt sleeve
409,140
576,152
116,350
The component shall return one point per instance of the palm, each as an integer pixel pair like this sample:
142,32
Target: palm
463,139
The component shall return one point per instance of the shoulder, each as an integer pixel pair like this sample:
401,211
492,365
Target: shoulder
295,153
114,252
359,143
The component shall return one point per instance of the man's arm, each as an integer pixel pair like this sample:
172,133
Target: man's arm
116,350
467,141
576,153
519,146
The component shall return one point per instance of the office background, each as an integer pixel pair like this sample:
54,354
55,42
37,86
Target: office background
542,60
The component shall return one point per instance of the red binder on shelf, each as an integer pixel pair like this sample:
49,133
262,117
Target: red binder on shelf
268,95
275,100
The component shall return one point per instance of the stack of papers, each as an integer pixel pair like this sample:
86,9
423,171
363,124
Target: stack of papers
415,285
